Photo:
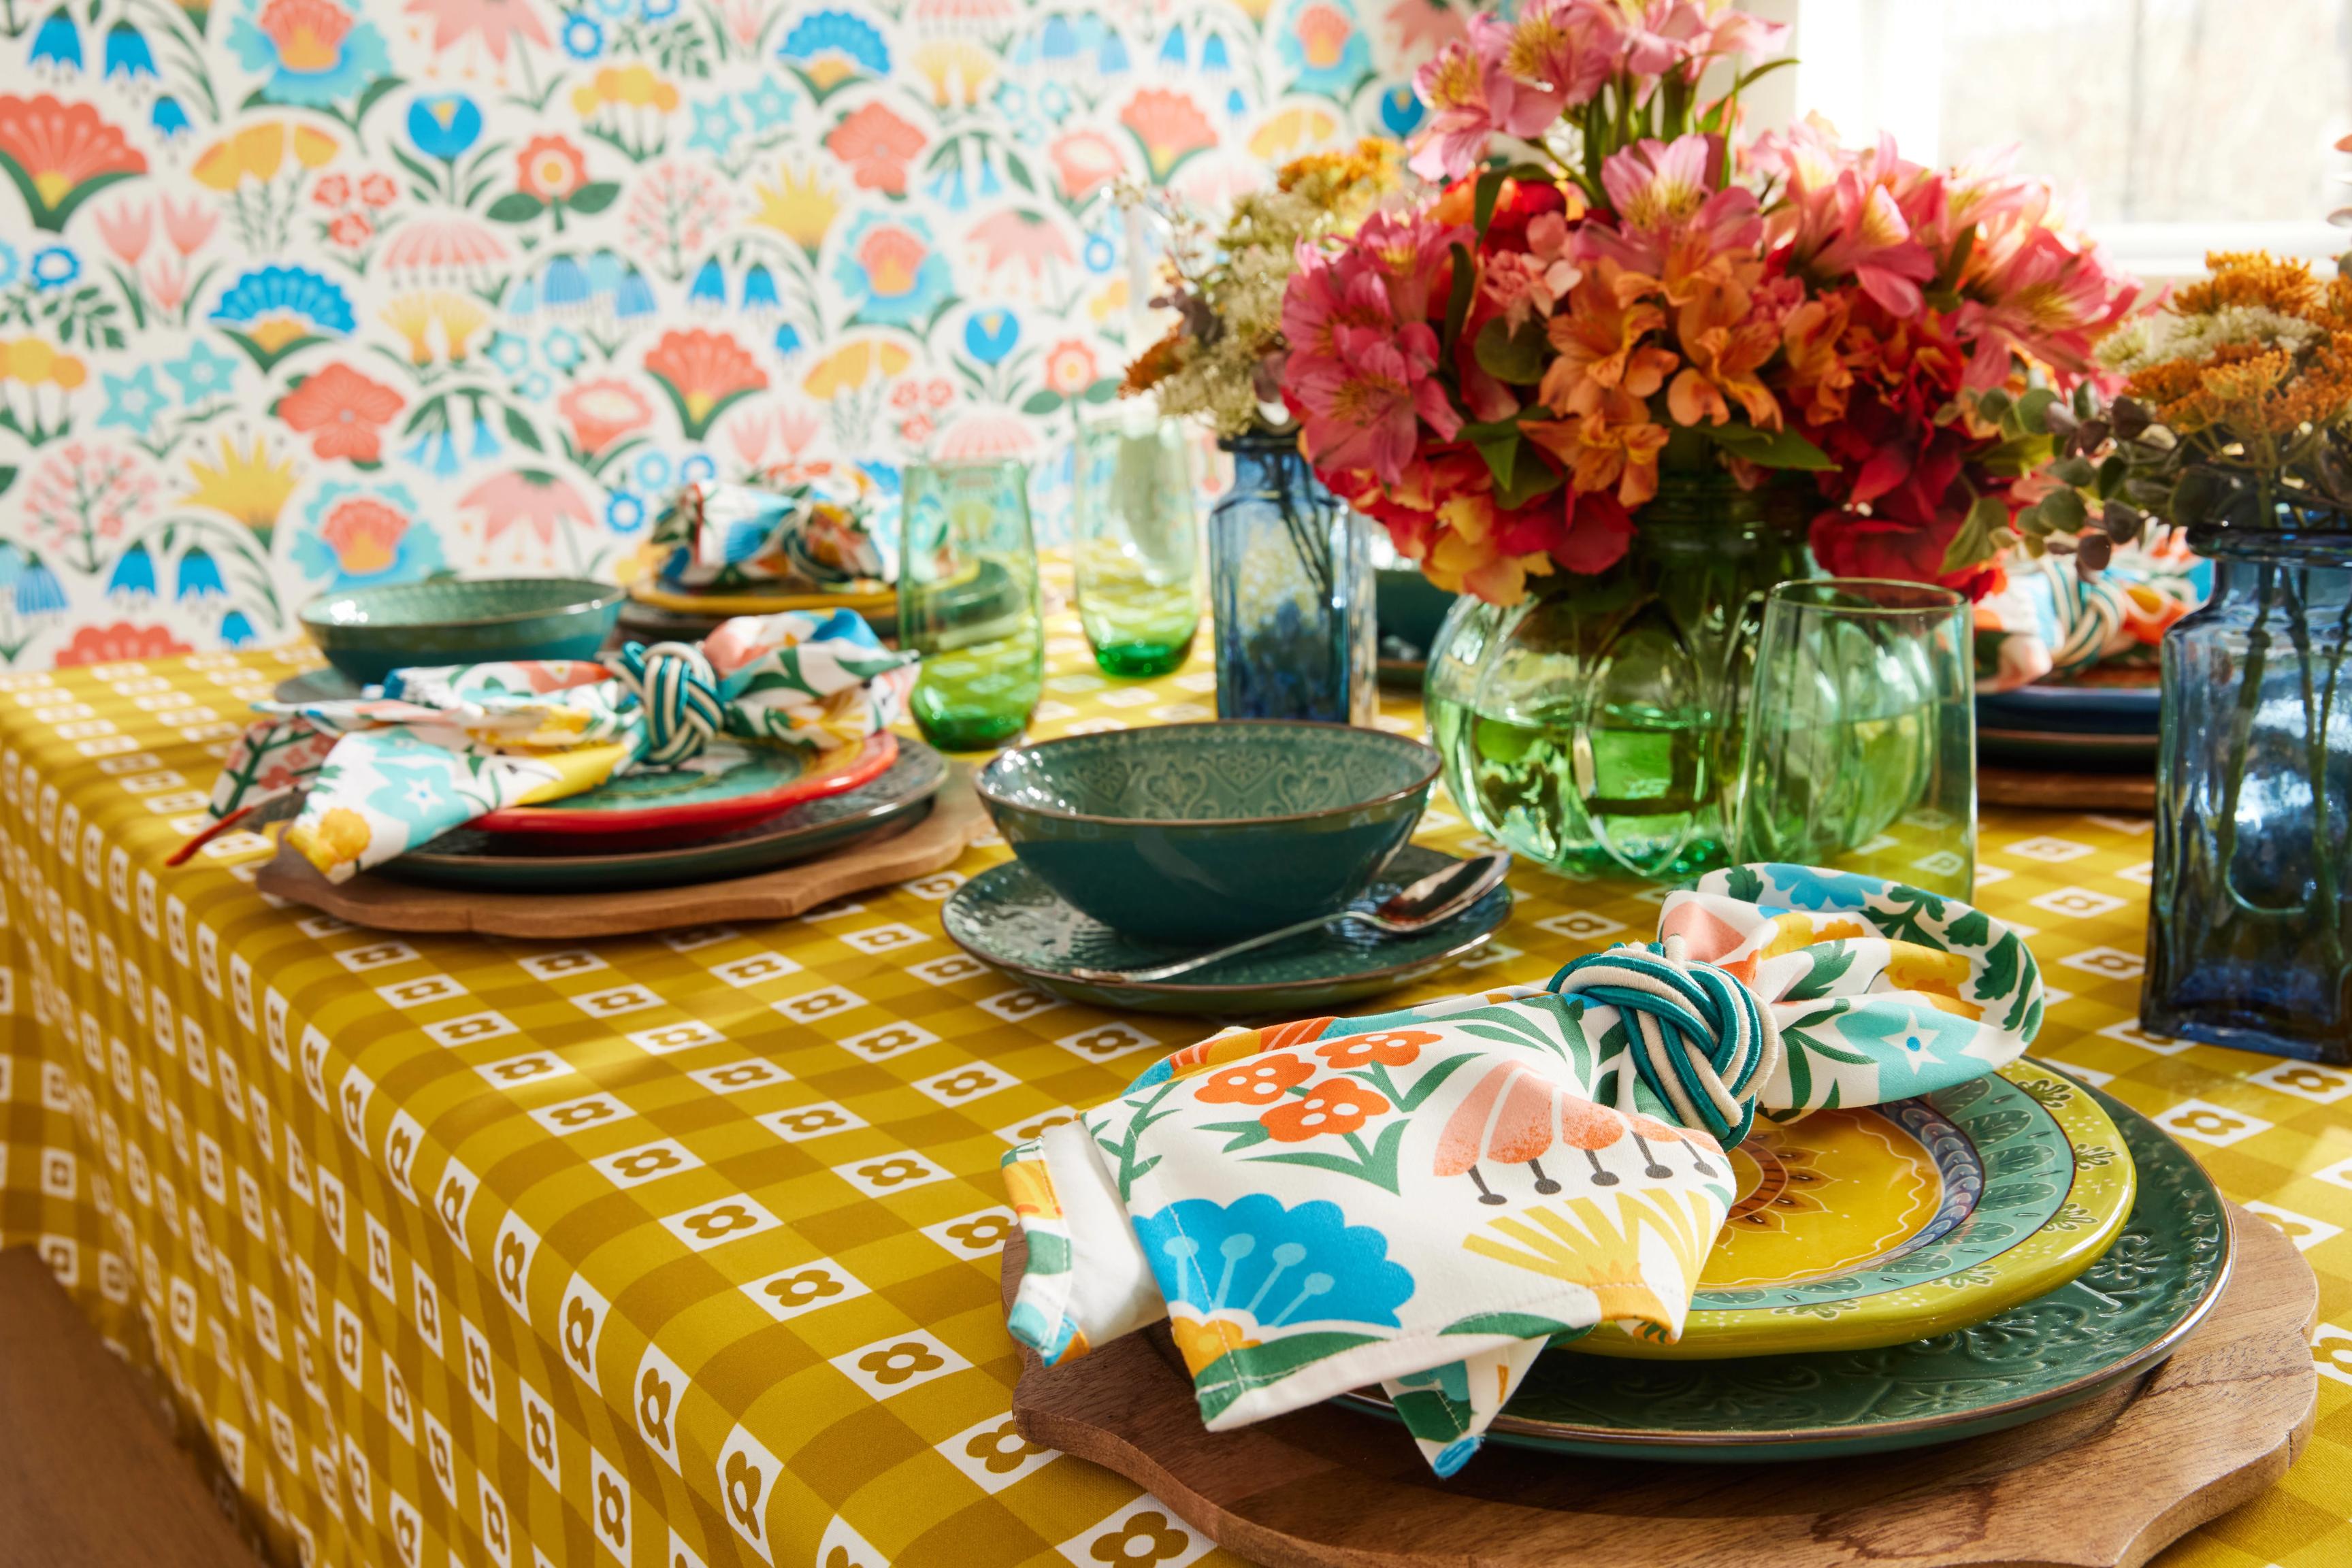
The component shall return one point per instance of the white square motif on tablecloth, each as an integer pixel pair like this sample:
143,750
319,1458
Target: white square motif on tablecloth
1104,1041
2129,1032
754,968
1145,1531
2048,850
979,1234
892,1365
1034,1126
570,961
710,1225
733,1078
1581,925
960,1085
890,1173
2076,903
947,970
824,1002
663,1038
2300,1229
890,1040
804,1288
1017,1005
2107,963
2209,1123
2304,1080
618,1001
992,1454
876,941
646,1162
805,1121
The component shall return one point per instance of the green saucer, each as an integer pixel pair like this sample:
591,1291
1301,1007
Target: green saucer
1007,917
467,857
327,685
2119,1318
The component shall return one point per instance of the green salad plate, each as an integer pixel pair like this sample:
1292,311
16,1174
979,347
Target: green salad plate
1009,918
1874,1225
2145,1294
466,857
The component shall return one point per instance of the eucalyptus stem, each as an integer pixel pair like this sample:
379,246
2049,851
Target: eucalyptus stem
2241,727
2314,751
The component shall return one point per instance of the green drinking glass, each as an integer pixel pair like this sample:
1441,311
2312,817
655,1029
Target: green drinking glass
967,601
1861,751
1135,542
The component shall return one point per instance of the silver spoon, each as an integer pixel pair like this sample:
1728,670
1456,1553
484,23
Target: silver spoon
1432,900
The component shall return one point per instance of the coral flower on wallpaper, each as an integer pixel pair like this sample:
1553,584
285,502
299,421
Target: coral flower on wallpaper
313,52
58,155
705,373
342,411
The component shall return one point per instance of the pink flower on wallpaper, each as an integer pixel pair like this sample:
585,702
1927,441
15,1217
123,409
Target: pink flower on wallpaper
1069,367
126,230
190,226
496,23
433,247
875,144
1083,162
84,494
342,411
1169,126
601,411
120,644
526,498
1018,237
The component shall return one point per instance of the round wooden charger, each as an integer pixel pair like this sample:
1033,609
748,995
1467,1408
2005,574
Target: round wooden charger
2105,1485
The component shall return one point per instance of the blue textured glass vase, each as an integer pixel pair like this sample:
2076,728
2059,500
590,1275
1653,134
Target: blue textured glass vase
1292,593
2253,889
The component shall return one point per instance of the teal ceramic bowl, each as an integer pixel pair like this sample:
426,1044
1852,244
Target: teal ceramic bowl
1192,835
368,633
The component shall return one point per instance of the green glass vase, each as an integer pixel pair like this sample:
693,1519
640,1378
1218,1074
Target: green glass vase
1595,726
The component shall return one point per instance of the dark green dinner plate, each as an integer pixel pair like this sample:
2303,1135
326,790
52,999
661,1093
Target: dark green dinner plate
1007,917
2121,1316
464,858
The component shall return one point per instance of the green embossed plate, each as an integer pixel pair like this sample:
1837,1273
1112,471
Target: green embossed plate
1007,917
1875,1224
464,858
2119,1318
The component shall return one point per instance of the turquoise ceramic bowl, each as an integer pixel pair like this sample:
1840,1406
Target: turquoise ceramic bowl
368,633
1192,835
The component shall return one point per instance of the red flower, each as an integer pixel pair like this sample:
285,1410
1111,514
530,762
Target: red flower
60,155
341,411
1338,1105
1389,1047
875,144
1255,1080
551,168
1169,126
704,374
349,230
332,190
377,190
601,411
119,644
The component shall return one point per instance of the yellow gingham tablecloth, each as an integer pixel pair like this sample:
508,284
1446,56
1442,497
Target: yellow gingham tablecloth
682,1251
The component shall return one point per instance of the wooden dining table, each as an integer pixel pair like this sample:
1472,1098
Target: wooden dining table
682,1249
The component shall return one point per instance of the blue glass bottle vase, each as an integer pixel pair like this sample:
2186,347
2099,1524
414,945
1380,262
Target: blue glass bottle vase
1291,590
2250,911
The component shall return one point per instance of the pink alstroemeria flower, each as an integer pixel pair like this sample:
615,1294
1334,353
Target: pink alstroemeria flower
1327,295
1472,94
1363,409
1848,216
1674,225
1571,46
1663,35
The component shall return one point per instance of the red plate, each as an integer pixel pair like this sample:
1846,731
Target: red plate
726,786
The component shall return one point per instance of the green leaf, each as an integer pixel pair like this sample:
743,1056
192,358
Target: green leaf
1042,403
1457,303
1102,391
1531,479
519,428
1515,356
593,197
1973,542
2033,407
516,206
1993,404
1482,206
1502,454
2065,510
1769,448
1829,961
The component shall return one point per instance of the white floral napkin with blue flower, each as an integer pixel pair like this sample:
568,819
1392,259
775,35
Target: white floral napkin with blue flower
1425,1199
439,747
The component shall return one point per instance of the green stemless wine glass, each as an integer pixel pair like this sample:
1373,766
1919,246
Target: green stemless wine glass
1861,751
967,601
1135,542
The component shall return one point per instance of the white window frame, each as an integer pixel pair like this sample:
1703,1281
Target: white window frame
1873,65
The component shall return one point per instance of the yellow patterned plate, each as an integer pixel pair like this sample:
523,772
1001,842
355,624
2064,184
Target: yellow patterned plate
1866,1227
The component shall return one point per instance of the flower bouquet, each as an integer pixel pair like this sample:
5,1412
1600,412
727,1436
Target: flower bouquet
1290,575
1622,354
2234,422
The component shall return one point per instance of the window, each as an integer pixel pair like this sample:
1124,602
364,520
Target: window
2177,126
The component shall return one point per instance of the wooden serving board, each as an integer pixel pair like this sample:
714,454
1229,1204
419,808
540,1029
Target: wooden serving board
2105,1485
2035,788
382,904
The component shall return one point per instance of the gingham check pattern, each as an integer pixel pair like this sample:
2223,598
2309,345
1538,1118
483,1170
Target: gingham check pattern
682,1251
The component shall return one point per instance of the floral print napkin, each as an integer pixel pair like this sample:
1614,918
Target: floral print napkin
1424,1199
2047,619
810,534
442,746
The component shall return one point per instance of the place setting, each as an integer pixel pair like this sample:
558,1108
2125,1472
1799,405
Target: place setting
805,541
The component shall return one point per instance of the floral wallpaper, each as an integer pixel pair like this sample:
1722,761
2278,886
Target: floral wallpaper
304,294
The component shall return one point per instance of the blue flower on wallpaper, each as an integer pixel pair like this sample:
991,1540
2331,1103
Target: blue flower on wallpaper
271,311
759,295
168,117
658,10
126,54
788,339
133,573
652,470
1400,111
237,630
559,346
509,352
199,576
11,264
38,590
314,53
698,470
445,125
53,267
770,104
1322,43
988,336
831,48
1276,1265
583,38
133,402
624,513
1073,44
436,452
708,289
357,534
889,265
57,43
715,126
203,373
